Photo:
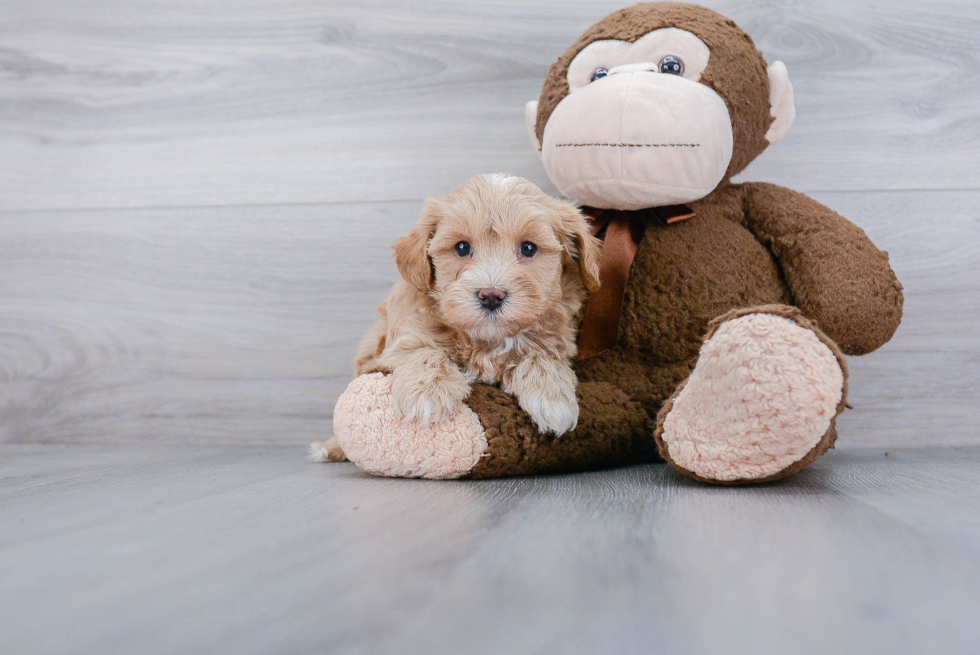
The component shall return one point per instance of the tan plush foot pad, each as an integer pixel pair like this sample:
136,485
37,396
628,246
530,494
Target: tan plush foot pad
762,397
372,433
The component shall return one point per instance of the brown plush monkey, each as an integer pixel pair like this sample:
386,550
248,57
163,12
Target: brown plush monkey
717,340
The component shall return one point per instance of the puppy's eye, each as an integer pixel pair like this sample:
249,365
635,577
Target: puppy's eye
599,73
528,249
463,248
671,65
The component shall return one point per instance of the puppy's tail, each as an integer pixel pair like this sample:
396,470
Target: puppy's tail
326,451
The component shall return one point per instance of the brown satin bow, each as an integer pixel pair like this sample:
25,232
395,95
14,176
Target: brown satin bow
624,231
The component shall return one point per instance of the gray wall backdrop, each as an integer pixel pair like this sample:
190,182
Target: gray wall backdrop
197,197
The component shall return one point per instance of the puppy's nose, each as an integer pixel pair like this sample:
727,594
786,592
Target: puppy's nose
491,298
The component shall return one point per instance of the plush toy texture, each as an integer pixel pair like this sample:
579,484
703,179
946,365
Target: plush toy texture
764,394
728,362
736,71
372,432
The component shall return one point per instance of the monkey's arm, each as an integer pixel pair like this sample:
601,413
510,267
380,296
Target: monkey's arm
836,274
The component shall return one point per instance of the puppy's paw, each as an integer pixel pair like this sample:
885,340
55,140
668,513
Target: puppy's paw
428,394
326,451
556,413
545,389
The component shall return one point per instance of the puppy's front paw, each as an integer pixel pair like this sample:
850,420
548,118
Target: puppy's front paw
557,413
428,394
545,389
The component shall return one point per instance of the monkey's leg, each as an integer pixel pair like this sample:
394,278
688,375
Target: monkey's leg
619,394
612,430
490,435
374,434
761,402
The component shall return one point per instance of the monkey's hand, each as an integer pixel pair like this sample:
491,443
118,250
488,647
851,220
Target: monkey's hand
427,387
545,389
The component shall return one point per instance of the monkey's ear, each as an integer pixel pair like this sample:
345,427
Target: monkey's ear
411,250
531,119
781,105
583,248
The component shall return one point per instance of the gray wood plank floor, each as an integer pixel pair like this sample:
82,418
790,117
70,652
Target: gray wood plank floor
153,549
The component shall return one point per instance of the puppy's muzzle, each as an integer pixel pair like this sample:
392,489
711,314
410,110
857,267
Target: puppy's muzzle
491,298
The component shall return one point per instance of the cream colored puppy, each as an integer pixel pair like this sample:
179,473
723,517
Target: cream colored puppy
494,273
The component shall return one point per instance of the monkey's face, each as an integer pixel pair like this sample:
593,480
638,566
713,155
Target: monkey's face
637,126
638,121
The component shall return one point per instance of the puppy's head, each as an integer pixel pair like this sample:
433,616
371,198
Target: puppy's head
497,253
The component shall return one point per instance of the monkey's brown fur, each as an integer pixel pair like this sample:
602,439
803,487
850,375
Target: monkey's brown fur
749,246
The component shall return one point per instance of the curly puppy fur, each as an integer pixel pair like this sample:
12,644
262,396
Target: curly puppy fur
436,337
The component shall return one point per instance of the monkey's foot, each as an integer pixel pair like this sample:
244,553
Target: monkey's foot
374,434
760,403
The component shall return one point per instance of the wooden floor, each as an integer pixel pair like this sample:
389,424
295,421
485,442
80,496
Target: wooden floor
197,199
153,549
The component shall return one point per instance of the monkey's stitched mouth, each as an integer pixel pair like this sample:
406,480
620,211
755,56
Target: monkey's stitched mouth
628,145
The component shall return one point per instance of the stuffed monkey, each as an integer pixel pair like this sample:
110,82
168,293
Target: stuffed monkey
716,341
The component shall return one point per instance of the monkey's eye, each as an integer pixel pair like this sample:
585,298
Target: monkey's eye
463,248
599,73
528,249
671,65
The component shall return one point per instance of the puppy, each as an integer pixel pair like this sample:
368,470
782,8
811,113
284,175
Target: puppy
493,276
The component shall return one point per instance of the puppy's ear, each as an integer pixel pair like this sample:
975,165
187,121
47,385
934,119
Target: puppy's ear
411,254
582,248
